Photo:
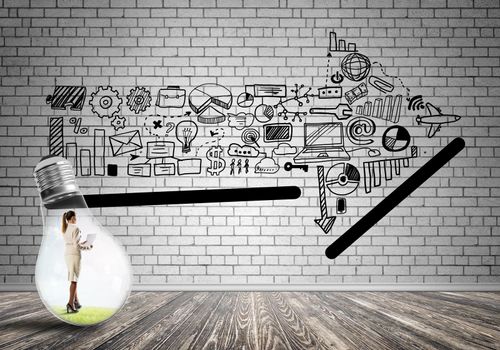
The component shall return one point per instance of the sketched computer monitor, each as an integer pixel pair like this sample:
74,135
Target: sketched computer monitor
323,135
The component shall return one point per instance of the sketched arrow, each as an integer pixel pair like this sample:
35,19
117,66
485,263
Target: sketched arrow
325,222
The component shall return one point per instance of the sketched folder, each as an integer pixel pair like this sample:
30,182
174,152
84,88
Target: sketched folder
172,96
126,142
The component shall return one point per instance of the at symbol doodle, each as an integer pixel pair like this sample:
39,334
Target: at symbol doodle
359,128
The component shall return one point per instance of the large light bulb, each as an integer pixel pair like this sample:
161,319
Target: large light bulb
101,269
185,132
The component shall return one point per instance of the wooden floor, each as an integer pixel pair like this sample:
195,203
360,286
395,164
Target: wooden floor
258,320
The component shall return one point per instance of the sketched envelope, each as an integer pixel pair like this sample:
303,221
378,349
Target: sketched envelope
126,142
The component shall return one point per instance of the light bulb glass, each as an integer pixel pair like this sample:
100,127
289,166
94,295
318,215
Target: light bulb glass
186,132
103,273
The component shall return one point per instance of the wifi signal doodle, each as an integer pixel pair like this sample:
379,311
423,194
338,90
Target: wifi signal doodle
416,103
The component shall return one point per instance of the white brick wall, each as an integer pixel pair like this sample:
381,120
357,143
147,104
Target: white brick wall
447,232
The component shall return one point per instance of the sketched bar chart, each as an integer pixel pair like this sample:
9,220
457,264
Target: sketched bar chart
386,109
99,152
56,136
340,45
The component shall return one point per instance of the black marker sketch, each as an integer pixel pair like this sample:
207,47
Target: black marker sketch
341,112
217,135
99,152
186,132
160,149
325,222
264,113
164,169
395,139
189,166
337,79
67,96
56,136
356,93
245,151
289,166
394,198
241,120
330,92
355,66
71,154
157,125
277,132
415,103
323,142
77,123
389,110
250,136
360,129
380,84
435,119
266,90
299,95
210,95
393,76
239,166
340,44
342,179
126,142
118,122
171,97
140,170
217,163
105,102
132,199
341,205
375,169
231,166
112,170
266,166
284,149
133,156
139,99
246,166
85,162
245,99
372,152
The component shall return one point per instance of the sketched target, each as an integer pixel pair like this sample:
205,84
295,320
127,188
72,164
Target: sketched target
250,136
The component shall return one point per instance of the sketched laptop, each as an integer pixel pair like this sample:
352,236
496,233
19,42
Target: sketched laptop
322,142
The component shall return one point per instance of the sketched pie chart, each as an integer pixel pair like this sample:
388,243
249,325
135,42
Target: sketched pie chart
342,179
209,95
396,138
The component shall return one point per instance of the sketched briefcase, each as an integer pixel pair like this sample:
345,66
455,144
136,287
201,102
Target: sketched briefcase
126,142
172,96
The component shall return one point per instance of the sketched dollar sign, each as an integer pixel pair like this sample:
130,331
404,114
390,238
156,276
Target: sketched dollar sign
217,164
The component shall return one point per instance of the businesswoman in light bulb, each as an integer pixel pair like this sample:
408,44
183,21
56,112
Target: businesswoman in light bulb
72,255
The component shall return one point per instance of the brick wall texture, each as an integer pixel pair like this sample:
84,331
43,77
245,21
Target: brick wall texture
447,51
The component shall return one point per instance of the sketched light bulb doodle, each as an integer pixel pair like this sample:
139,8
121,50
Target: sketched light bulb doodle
76,251
186,132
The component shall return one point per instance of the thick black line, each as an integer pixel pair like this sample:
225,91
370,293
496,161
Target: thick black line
181,197
396,197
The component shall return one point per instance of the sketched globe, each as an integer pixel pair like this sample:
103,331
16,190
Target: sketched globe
355,66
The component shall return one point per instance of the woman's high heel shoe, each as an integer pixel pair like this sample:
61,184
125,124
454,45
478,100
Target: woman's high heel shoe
77,305
70,309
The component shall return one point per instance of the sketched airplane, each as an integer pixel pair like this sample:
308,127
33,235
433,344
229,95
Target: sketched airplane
435,119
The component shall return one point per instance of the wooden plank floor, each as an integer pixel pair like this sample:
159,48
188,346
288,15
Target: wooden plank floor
265,320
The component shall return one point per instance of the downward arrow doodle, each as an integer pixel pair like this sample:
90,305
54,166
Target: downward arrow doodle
325,222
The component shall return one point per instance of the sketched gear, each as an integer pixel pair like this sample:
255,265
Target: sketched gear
139,99
118,122
105,102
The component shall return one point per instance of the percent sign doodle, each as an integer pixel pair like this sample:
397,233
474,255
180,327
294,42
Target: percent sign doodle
77,122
